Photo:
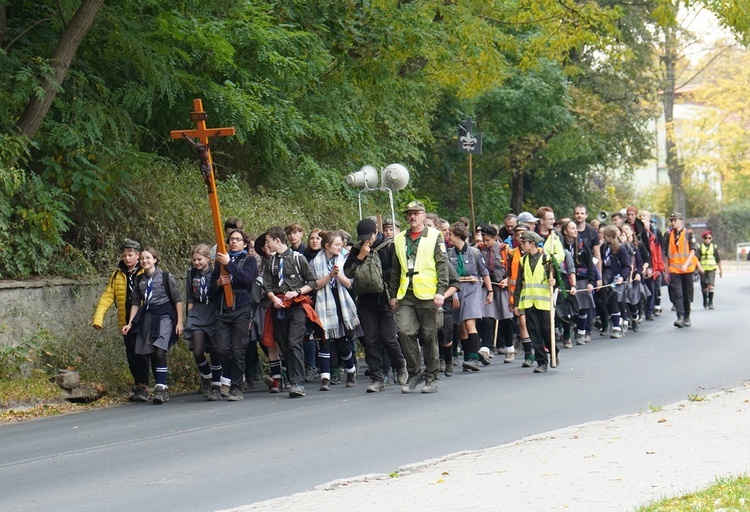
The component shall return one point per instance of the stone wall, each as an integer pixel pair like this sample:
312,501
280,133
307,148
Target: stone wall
50,305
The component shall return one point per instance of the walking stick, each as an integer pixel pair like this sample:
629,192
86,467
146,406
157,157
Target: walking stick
553,342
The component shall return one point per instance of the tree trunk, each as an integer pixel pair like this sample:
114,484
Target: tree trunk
516,187
3,23
37,108
674,167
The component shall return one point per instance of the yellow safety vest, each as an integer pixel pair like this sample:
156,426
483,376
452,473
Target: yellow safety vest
425,278
708,257
553,246
535,287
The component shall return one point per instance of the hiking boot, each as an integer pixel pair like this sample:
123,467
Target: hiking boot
484,356
411,383
235,394
335,376
402,375
275,386
205,388
624,326
581,339
214,395
616,333
542,368
375,386
442,365
351,379
296,391
160,394
509,356
471,365
686,322
430,387
636,327
311,373
679,323
528,361
325,384
140,393
567,343
449,370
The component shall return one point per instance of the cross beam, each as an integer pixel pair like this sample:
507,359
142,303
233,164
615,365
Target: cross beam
203,135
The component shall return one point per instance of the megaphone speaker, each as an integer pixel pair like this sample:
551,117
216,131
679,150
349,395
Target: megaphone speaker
602,215
395,177
366,177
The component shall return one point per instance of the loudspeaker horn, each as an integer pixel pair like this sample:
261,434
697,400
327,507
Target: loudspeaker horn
395,177
366,177
602,215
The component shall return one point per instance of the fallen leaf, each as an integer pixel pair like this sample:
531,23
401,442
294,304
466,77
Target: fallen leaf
663,420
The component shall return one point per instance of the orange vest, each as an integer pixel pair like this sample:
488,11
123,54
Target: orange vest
515,260
678,253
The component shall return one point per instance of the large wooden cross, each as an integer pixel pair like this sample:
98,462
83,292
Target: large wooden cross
207,170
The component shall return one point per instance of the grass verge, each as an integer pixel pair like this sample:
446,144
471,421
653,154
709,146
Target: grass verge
730,494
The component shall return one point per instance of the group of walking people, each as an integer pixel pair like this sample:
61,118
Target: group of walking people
288,312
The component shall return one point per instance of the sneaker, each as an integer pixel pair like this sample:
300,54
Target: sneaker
542,368
205,388
449,370
411,384
275,386
442,365
161,394
587,338
484,356
686,322
650,317
214,395
624,326
528,361
679,323
616,333
351,379
235,394
375,386
657,310
325,384
430,387
140,393
402,375
710,305
471,365
335,376
603,332
311,373
296,391
636,327
509,356
567,343
581,339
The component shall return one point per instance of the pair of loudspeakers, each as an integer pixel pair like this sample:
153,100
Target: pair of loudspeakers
394,177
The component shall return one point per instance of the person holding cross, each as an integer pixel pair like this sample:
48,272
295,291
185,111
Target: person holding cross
419,279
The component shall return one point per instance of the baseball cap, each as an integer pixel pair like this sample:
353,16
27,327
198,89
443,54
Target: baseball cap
526,217
489,230
676,215
414,206
365,229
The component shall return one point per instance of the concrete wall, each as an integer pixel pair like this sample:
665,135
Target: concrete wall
54,305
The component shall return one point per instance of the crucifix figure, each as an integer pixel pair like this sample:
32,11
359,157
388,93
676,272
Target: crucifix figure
201,134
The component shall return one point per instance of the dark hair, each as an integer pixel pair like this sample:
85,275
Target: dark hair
294,226
232,223
459,229
276,232
245,236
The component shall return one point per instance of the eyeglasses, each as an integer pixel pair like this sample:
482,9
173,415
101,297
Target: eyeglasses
236,239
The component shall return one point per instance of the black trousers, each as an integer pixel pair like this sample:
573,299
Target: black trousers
380,336
681,293
231,340
289,332
538,325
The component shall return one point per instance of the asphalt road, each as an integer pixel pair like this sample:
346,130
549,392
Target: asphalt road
194,455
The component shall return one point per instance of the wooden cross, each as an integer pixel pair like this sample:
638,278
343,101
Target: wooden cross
207,170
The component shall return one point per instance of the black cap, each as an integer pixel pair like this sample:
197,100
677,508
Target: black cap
489,230
365,229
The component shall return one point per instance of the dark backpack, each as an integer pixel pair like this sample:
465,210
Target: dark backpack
368,274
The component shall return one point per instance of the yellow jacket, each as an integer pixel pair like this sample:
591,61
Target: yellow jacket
116,292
